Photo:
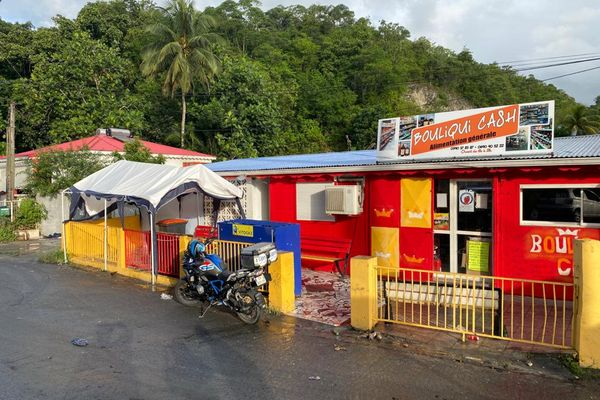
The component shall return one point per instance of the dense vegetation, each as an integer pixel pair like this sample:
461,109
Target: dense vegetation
291,79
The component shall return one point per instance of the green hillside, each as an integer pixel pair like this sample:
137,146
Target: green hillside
292,80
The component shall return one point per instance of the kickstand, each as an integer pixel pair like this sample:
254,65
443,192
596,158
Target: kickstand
204,310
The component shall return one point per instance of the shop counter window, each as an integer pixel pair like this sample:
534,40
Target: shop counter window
562,205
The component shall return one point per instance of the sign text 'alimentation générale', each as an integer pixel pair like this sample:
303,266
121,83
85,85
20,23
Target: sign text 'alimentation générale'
515,129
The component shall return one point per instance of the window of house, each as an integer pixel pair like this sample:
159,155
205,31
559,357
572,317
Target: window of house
569,205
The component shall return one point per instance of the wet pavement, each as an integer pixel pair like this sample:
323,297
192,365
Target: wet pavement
143,347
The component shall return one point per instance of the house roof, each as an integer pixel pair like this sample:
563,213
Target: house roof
109,144
570,147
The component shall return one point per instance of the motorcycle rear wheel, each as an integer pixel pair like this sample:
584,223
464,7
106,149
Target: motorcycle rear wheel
182,294
252,316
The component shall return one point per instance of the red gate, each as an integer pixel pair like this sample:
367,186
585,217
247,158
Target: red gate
168,254
138,252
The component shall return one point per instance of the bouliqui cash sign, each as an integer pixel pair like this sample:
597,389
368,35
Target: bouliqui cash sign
516,129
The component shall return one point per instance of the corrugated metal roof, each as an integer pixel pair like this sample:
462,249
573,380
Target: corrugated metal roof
564,147
105,143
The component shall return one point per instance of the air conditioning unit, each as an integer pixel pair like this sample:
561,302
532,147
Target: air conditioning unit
343,199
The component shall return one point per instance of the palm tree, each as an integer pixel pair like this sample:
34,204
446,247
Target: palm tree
181,47
581,120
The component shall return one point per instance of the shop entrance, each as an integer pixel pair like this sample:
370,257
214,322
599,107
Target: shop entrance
463,226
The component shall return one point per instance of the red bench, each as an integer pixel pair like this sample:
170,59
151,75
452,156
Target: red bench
326,249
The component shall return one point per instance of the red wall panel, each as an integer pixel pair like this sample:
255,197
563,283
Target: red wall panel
535,252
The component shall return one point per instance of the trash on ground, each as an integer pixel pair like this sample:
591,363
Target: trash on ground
405,345
337,347
529,363
314,378
372,335
473,338
166,296
80,342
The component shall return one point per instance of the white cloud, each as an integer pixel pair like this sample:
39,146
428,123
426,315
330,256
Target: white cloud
494,30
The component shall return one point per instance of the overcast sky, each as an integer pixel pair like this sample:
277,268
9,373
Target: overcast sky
494,30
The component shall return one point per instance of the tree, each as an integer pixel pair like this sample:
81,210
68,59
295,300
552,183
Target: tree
136,151
50,172
580,120
182,48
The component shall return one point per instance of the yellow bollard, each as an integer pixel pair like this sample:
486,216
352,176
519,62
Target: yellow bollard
363,292
586,332
184,242
281,287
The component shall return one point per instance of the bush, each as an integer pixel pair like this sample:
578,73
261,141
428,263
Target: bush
7,230
55,256
30,214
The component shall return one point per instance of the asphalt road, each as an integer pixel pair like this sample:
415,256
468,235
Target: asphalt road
142,347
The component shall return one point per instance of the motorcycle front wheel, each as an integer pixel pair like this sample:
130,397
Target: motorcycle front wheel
183,294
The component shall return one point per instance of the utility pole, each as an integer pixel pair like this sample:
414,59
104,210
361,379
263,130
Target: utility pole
10,153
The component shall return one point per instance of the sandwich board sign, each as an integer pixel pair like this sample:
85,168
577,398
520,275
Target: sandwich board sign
517,129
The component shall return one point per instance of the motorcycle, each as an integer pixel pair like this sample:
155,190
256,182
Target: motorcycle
208,281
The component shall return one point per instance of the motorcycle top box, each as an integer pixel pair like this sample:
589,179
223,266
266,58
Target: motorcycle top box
258,255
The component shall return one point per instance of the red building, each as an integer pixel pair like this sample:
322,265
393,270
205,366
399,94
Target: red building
510,216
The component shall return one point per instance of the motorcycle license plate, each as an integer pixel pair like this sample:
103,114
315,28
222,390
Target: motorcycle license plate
260,280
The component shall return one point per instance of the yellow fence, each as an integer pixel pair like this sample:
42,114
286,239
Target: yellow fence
539,312
86,244
229,252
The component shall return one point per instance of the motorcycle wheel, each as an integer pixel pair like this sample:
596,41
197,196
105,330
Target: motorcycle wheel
252,315
182,294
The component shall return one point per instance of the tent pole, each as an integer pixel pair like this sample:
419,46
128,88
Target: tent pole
152,250
64,237
105,238
197,208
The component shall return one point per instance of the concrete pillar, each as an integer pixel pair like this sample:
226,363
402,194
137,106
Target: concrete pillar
281,287
121,264
184,242
586,332
363,292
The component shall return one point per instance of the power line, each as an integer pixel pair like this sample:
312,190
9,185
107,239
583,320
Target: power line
524,64
556,64
546,58
572,73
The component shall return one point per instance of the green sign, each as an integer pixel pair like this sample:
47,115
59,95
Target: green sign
479,255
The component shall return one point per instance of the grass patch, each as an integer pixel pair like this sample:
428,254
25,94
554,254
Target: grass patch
572,364
53,257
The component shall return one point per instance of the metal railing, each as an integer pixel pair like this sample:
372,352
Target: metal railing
90,245
530,311
229,252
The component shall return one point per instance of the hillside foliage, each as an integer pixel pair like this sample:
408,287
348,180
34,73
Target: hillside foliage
293,79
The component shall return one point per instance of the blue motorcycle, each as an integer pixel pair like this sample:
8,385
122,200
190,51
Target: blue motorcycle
208,281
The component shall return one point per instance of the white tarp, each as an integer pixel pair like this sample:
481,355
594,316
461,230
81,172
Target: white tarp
151,182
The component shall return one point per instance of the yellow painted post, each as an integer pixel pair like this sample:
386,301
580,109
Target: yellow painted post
586,332
184,241
121,264
281,287
363,292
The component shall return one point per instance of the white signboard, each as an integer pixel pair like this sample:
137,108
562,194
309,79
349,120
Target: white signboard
466,200
515,129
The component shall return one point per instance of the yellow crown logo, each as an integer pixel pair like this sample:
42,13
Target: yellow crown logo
413,259
384,213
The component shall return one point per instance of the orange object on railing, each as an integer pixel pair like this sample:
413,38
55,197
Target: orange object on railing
138,250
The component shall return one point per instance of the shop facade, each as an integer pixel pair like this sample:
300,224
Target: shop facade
493,216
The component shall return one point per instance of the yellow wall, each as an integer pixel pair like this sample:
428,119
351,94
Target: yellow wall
586,333
385,246
415,202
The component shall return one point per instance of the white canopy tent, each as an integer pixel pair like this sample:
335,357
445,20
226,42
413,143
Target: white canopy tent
149,186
